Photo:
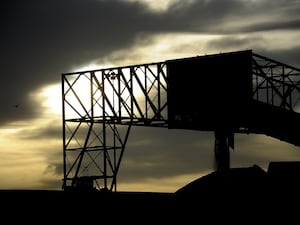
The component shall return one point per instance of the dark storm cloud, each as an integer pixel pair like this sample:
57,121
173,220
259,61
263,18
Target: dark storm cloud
42,39
278,25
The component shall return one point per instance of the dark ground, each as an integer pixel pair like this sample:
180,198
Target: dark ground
239,195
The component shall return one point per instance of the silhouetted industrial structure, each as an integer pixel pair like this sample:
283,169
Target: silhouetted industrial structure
226,93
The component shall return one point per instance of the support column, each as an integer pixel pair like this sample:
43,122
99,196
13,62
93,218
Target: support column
224,140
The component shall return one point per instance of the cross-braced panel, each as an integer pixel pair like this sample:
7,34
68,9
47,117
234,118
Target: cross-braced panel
276,83
99,107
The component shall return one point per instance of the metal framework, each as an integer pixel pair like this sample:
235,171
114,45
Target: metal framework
100,106
96,106
275,83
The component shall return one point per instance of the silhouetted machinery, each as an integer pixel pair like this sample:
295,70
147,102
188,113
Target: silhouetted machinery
227,93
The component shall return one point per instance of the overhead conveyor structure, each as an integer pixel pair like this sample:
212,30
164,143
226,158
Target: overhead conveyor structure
226,93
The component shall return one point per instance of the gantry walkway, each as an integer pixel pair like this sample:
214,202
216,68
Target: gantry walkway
227,93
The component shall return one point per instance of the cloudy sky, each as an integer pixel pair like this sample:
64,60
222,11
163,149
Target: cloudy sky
40,40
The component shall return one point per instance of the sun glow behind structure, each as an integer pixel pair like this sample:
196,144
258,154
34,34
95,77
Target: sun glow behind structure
110,97
106,85
49,97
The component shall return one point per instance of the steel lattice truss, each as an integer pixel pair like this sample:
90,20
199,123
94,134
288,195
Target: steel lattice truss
95,106
275,83
100,106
